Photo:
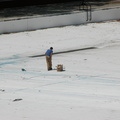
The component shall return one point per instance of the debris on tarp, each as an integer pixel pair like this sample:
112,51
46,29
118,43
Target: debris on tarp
2,90
23,69
17,100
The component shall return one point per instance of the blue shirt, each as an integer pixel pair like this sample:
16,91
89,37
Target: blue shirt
48,52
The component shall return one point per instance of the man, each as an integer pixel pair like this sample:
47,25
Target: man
48,55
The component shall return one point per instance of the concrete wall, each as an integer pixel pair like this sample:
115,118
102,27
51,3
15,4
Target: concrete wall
58,20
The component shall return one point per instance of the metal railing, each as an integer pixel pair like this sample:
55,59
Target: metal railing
87,7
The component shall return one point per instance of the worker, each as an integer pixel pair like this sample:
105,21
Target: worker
48,55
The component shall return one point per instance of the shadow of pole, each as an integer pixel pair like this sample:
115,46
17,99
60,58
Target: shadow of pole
68,51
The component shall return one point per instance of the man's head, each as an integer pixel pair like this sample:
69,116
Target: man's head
51,48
